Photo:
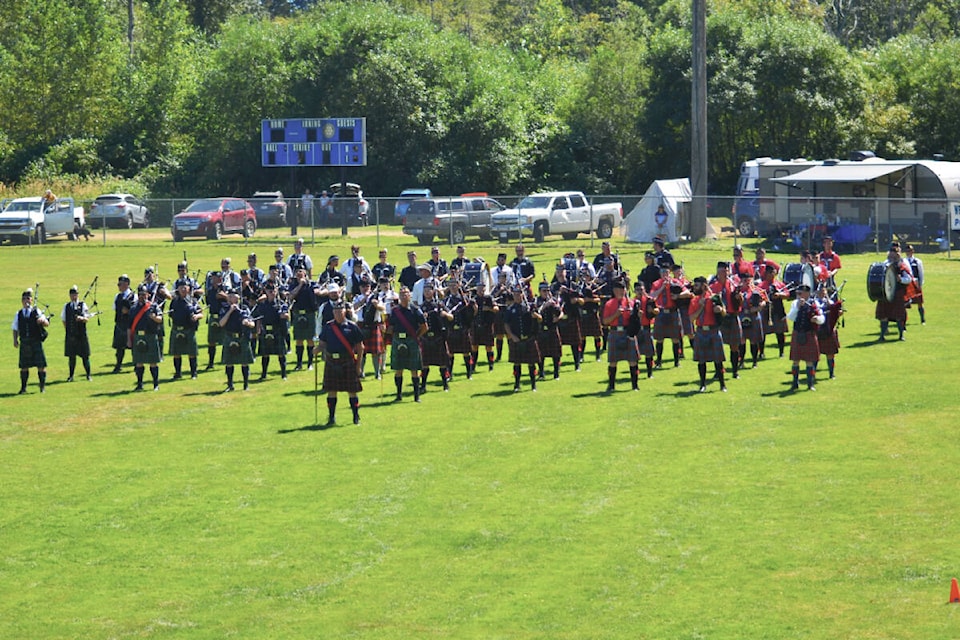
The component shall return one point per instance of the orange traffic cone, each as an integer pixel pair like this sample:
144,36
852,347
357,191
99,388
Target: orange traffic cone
954,591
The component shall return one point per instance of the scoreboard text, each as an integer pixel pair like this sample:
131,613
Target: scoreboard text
314,142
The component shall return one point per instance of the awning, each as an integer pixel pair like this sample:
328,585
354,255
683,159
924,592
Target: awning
843,173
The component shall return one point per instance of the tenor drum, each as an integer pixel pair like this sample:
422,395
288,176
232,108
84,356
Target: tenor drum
796,274
475,273
881,282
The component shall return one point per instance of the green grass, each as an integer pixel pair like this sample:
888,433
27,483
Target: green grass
479,513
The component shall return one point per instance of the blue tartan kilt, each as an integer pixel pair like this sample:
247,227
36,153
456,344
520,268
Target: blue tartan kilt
570,331
304,325
752,327
804,346
460,340
146,348
340,374
708,345
183,341
524,352
405,354
666,326
548,341
590,323
620,347
829,342
236,349
272,341
731,331
434,350
32,355
686,326
645,343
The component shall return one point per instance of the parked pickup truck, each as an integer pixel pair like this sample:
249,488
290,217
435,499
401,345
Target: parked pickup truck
24,218
452,218
564,212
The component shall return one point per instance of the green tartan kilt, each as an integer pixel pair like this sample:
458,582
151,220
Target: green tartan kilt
405,354
146,348
183,341
31,354
214,331
272,342
236,349
76,346
304,325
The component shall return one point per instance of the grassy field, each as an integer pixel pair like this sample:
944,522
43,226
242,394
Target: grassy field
480,513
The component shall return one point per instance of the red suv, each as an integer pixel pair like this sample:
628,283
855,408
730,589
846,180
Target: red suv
213,217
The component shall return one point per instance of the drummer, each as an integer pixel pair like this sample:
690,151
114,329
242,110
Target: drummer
896,309
916,291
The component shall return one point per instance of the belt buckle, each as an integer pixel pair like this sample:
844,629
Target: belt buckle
618,329
141,333
268,327
402,335
335,356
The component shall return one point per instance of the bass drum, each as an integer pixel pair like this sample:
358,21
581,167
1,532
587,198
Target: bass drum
881,282
796,274
475,273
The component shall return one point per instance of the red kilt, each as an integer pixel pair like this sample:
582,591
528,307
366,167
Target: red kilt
570,331
829,342
524,352
754,332
548,340
374,343
809,351
731,331
434,351
460,340
590,323
895,311
620,347
708,345
341,375
666,326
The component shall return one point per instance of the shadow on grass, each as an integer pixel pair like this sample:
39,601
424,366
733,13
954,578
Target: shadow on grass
865,343
786,392
311,427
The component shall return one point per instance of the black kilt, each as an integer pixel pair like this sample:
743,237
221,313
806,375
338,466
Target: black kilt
460,340
645,343
895,311
434,350
120,336
498,327
731,331
569,331
548,341
590,323
32,355
708,345
773,322
524,352
77,346
667,325
146,348
483,334
829,342
183,341
621,346
752,327
804,346
272,342
304,324
340,374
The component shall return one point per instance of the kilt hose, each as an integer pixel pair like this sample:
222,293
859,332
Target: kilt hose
804,346
340,374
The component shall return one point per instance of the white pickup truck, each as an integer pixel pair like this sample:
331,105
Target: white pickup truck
567,213
24,218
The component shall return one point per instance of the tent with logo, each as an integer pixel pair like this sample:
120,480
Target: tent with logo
642,225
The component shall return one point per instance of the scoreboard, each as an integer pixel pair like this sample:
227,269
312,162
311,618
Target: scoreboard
314,142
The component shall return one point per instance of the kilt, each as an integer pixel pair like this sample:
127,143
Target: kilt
590,323
686,326
752,327
214,331
620,346
773,322
666,325
146,348
708,345
304,324
405,354
569,331
236,349
731,331
498,328
76,346
804,346
31,354
645,343
183,341
896,310
120,332
918,298
524,352
460,340
548,341
829,342
434,350
373,343
272,342
340,374
483,334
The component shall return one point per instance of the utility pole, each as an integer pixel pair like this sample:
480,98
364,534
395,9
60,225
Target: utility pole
698,122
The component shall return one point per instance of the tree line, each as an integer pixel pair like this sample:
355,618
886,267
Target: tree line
503,96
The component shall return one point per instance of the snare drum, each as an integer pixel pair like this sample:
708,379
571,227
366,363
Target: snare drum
796,274
881,282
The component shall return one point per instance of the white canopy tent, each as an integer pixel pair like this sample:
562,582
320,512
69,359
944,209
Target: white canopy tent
641,224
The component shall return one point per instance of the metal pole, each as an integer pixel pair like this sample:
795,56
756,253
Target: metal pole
698,138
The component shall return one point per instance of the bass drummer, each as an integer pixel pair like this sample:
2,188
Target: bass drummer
896,309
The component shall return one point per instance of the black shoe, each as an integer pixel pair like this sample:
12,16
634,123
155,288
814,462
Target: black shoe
736,376
193,376
246,386
177,376
516,389
262,377
22,391
208,367
70,379
398,398
723,388
541,378
703,389
610,388
331,422
298,368
794,386
89,378
356,419
229,388
156,387
139,387
811,388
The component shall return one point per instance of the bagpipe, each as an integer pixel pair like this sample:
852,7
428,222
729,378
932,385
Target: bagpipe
44,334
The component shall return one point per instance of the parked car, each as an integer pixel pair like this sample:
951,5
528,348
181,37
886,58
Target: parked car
403,202
453,217
213,217
271,208
119,210
357,207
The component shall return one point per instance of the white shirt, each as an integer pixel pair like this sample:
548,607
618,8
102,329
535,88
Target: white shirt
496,271
817,318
